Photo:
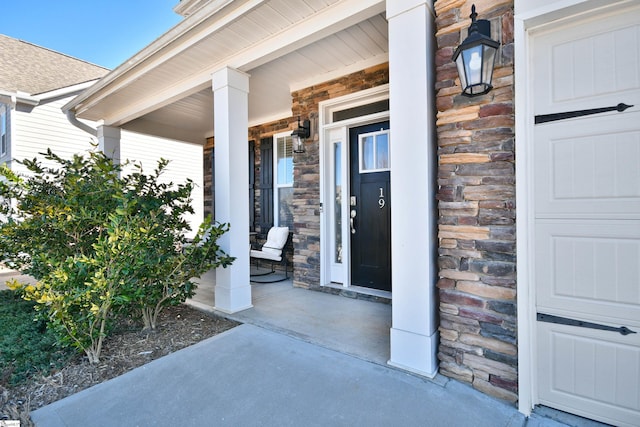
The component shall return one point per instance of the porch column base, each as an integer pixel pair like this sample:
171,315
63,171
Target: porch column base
232,300
414,352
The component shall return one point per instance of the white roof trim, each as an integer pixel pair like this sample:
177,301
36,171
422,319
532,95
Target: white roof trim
18,97
325,22
66,90
162,43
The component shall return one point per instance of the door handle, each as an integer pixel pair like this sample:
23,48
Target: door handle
353,215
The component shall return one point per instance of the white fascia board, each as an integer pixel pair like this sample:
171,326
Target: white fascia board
328,21
18,97
152,55
188,7
66,90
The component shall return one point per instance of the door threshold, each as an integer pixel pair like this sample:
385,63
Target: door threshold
358,292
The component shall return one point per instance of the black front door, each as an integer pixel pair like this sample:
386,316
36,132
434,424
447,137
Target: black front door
370,206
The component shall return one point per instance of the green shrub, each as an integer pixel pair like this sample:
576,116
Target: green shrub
26,346
100,243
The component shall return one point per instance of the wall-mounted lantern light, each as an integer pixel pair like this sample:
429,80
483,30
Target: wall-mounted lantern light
475,57
300,134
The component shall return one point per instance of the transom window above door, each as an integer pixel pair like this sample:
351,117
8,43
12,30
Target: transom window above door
373,152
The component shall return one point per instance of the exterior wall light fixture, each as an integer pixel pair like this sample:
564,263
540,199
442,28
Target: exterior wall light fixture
475,57
300,134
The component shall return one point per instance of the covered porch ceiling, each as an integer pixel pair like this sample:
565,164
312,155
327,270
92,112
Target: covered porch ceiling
165,89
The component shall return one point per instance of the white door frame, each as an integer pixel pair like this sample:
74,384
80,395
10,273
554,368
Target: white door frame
525,26
328,131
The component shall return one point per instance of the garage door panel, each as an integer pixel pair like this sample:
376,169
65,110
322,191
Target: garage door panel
582,169
591,267
591,369
585,66
586,180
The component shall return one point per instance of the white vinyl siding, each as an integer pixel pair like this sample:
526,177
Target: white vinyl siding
186,161
46,126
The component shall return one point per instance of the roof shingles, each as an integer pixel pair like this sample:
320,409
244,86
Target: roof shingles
32,69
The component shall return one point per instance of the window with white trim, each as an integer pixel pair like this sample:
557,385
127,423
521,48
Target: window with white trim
283,180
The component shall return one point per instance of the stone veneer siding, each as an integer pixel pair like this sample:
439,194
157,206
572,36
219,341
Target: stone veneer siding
306,236
306,197
476,179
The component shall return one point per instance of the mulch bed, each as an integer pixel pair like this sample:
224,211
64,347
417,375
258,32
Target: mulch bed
127,348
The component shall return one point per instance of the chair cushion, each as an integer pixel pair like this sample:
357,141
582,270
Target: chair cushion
272,248
276,239
265,255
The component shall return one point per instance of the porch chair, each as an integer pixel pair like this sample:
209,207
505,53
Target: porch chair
273,250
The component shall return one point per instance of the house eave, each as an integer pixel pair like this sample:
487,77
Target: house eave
203,24
148,57
17,97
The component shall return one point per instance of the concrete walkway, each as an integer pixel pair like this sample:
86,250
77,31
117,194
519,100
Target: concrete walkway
250,376
301,358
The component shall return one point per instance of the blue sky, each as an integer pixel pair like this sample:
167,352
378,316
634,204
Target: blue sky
103,32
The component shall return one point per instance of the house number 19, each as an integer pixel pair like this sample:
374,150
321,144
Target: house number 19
381,201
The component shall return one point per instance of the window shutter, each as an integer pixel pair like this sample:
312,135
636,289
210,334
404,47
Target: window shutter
266,184
252,185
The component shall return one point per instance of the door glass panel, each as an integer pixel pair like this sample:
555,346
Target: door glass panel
337,209
367,152
382,151
374,152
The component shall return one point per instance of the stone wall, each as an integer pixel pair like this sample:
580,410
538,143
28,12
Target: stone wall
476,178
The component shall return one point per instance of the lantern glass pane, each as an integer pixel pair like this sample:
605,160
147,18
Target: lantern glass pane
487,67
461,72
473,64
298,144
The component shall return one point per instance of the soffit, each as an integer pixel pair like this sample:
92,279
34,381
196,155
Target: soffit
173,85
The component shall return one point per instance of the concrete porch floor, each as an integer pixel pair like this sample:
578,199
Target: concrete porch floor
356,327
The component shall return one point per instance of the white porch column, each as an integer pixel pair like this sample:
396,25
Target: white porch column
414,331
109,142
231,122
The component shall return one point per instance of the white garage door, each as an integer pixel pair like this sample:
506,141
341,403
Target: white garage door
587,217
